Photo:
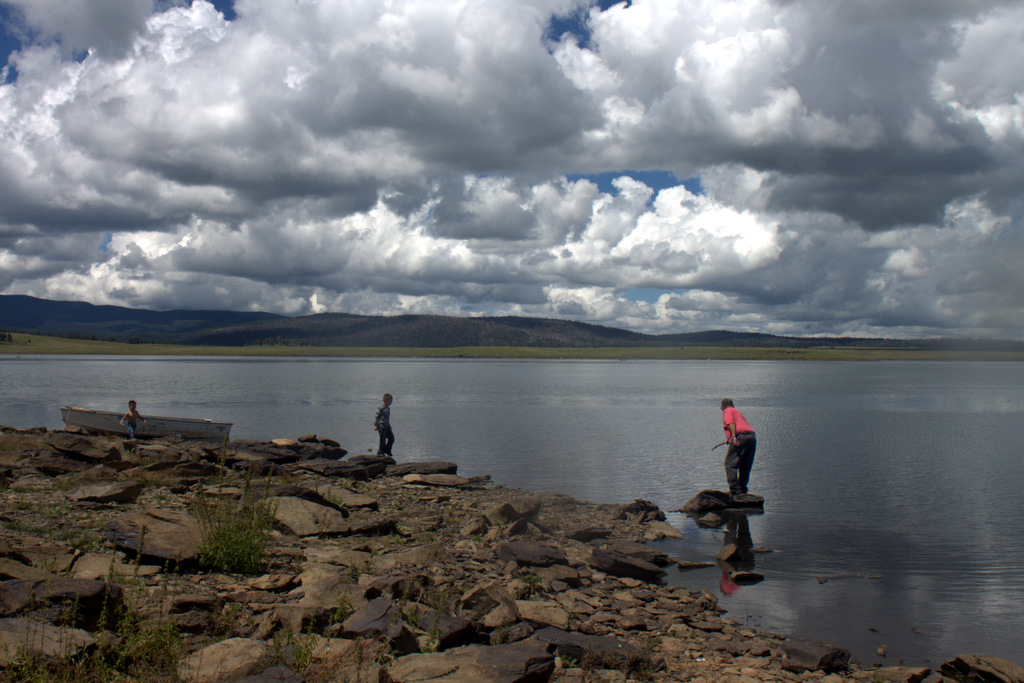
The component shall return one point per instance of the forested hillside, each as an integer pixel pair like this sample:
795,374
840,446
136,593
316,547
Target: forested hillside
232,328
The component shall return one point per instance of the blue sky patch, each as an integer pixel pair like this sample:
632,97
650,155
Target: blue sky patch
9,41
225,7
656,180
645,294
576,22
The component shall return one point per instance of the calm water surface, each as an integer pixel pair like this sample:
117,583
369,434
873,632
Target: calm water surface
893,490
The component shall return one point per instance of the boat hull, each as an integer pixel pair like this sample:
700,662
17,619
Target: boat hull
108,422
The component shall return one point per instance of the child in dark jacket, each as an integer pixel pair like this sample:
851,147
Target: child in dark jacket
382,425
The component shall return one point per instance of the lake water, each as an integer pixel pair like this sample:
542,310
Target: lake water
892,489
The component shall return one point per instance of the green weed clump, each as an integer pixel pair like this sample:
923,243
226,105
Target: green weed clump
134,651
236,534
142,647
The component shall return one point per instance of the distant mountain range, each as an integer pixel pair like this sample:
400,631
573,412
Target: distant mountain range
81,320
116,323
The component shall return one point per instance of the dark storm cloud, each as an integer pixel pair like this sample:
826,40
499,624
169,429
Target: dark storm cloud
107,26
485,208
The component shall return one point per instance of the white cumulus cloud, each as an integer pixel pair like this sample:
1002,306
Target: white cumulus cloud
798,167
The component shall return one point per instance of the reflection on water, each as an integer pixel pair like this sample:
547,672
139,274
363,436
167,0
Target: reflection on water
891,489
736,559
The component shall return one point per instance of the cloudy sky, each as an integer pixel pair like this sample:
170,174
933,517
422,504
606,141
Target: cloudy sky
794,167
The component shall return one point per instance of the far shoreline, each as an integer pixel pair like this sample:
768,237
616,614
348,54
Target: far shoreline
26,344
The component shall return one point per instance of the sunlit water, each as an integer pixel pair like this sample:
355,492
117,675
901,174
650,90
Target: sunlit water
893,490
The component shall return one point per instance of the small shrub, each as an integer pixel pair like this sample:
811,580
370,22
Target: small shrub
147,647
228,620
294,651
343,610
235,533
57,510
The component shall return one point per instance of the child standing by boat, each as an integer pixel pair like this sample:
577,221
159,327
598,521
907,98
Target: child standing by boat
131,418
382,425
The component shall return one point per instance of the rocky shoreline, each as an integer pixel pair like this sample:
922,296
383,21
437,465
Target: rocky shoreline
355,568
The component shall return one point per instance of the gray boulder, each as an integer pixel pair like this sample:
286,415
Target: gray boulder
745,578
302,517
975,668
334,468
523,508
489,604
730,552
599,651
310,451
708,500
435,480
13,569
375,465
294,491
813,655
589,534
434,467
530,553
251,451
446,630
275,674
185,472
374,524
638,550
617,564
93,448
157,535
53,465
380,618
902,674
227,660
522,662
83,603
558,574
747,500
113,492
640,510
348,499
21,637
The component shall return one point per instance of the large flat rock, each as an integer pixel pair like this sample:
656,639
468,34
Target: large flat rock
157,535
513,663
22,636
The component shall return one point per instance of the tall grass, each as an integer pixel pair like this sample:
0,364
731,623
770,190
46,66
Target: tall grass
236,533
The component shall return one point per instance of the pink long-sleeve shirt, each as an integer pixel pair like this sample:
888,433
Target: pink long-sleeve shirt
732,416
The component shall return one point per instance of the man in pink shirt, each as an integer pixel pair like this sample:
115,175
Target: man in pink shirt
742,444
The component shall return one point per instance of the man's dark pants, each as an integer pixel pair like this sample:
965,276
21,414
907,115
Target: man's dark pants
738,461
387,440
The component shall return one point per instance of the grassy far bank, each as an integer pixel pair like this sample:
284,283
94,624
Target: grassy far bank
33,344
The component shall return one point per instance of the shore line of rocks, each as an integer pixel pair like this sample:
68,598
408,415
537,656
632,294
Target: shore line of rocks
375,571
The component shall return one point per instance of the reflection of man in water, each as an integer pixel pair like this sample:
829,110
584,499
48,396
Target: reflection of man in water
739,557
727,585
737,531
